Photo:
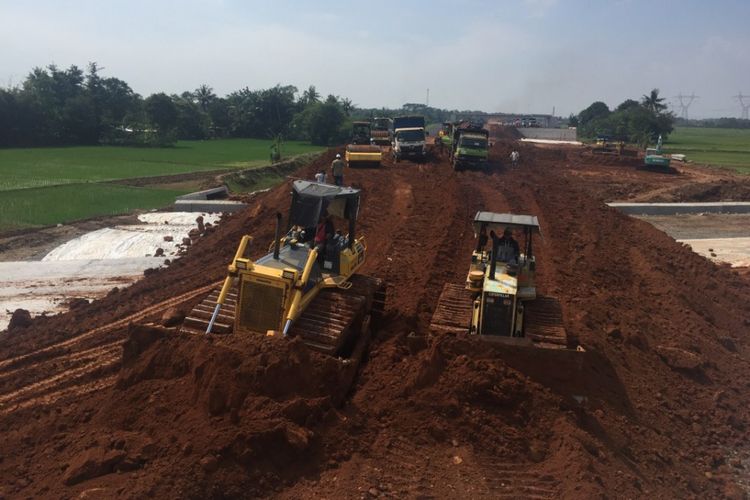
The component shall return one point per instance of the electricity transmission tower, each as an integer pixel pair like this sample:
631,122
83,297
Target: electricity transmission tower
745,106
685,102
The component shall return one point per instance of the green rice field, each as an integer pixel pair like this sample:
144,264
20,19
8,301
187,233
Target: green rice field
23,208
43,186
713,146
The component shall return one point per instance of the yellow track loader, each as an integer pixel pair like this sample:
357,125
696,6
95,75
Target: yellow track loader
300,289
499,299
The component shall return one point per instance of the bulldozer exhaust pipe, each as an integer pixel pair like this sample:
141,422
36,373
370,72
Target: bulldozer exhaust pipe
277,237
493,262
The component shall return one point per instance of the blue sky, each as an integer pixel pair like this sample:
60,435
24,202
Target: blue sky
504,55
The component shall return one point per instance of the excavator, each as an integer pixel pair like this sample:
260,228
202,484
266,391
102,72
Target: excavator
297,289
656,161
361,151
499,300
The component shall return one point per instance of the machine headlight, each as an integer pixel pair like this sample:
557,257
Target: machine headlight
287,274
241,264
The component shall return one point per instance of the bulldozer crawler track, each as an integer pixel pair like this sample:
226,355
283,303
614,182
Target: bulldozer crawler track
329,323
453,310
543,316
333,320
544,323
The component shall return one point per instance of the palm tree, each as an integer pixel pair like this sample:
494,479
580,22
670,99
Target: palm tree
653,102
204,95
310,95
347,105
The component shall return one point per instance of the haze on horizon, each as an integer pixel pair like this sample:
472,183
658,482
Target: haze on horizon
524,56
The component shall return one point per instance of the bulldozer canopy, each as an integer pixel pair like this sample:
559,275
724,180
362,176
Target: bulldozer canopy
498,222
310,200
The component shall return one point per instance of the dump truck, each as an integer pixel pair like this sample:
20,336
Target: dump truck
381,132
409,138
499,300
469,146
360,151
298,289
446,134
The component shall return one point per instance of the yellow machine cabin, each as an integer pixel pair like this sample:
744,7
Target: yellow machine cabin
502,273
281,291
499,299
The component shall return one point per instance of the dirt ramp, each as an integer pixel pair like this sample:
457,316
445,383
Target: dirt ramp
243,415
503,132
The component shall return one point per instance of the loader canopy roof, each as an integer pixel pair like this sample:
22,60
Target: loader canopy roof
310,200
498,222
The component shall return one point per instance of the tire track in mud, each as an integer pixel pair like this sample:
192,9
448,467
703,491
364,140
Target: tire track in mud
425,235
77,339
66,369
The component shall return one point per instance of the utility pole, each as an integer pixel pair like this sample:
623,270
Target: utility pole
685,102
745,106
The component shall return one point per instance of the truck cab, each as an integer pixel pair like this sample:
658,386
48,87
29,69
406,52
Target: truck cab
469,146
409,138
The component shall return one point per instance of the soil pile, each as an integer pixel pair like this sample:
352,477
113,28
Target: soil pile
501,132
653,408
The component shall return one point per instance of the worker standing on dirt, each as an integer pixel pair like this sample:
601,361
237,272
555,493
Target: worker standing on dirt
514,157
337,169
321,177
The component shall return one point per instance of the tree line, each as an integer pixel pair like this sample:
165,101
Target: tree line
60,107
638,122
63,107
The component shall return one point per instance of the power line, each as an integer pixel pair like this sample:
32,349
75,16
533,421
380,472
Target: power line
685,102
745,106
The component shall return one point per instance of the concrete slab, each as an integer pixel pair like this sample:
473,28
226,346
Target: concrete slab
553,134
733,251
91,265
550,141
723,207
207,194
208,206
44,287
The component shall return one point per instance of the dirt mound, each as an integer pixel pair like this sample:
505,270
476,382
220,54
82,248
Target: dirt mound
655,407
723,190
501,132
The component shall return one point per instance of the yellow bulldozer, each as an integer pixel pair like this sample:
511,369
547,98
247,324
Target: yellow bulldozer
499,299
306,286
605,145
361,151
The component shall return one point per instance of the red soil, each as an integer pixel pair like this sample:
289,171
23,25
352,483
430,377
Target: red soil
655,407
